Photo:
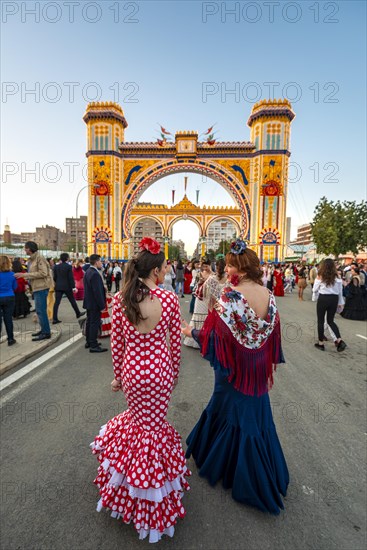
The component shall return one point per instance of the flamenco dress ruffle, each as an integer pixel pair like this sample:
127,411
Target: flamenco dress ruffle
141,476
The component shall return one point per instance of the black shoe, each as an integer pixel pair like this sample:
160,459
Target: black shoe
81,314
341,346
11,342
320,347
56,322
37,333
97,350
183,296
87,345
41,337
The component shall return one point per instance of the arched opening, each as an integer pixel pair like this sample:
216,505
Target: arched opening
218,233
184,239
204,176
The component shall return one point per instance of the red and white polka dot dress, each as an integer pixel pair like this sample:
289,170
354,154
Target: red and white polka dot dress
142,469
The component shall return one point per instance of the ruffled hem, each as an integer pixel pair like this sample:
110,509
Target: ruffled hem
154,535
253,466
141,477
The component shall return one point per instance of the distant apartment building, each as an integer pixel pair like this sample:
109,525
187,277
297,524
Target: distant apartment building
81,223
304,234
147,227
220,230
26,236
50,237
16,238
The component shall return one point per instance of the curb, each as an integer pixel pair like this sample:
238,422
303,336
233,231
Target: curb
16,360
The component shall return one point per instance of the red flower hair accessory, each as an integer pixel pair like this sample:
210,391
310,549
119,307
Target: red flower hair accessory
150,244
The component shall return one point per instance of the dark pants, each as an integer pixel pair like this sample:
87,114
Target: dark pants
70,297
192,303
7,304
93,324
117,285
327,303
109,284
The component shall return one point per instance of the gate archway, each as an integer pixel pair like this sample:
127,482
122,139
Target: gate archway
254,172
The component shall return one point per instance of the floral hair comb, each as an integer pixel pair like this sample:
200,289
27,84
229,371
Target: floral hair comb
238,247
149,244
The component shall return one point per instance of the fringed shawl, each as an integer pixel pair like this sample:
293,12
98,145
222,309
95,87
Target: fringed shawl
243,346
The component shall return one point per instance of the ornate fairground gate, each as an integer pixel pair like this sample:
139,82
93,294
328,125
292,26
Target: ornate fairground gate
255,173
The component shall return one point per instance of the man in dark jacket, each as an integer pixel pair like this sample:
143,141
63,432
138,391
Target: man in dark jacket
94,303
64,284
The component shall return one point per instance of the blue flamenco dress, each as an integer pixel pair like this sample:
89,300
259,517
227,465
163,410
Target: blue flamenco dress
235,439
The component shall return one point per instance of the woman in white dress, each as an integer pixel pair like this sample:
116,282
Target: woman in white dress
167,283
201,303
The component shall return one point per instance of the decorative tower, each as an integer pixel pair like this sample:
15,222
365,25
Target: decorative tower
105,131
270,122
7,235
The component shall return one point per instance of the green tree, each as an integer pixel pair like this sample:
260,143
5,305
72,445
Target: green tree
223,247
173,252
210,254
338,228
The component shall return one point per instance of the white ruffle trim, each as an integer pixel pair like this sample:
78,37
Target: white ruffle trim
154,495
154,534
101,434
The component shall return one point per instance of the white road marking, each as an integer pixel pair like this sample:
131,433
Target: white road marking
38,362
360,335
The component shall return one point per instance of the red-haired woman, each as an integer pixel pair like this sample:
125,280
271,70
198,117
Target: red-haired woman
142,469
235,439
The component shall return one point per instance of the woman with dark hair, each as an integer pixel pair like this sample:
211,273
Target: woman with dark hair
22,306
235,439
188,278
302,281
278,284
180,279
355,302
142,464
328,291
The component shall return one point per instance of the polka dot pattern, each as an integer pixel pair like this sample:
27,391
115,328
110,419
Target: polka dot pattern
138,447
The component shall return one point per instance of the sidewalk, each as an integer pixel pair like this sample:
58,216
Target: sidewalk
12,356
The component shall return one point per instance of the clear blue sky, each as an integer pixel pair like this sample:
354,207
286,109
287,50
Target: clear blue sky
170,50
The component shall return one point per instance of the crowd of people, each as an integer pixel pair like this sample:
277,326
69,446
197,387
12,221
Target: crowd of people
235,324
54,278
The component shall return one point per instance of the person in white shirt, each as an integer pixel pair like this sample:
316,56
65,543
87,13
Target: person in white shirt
328,291
117,275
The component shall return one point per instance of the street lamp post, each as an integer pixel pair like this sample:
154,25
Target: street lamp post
95,185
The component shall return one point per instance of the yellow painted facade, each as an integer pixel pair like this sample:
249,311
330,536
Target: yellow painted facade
254,172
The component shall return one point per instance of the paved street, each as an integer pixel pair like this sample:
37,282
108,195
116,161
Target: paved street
50,416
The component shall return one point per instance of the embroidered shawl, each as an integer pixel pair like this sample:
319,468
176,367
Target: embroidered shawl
243,346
